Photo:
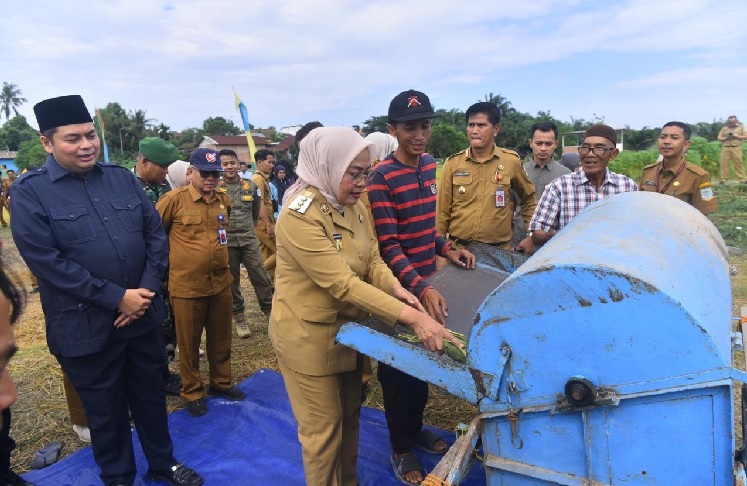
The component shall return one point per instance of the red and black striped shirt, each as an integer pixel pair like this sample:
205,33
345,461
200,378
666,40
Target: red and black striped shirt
403,203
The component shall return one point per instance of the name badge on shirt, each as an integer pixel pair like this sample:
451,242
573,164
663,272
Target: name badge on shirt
246,198
500,198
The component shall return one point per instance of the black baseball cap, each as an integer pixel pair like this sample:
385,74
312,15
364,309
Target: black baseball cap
410,105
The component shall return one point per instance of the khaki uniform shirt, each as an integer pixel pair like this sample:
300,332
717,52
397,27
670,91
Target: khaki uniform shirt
245,198
198,263
692,185
467,196
322,282
263,184
732,142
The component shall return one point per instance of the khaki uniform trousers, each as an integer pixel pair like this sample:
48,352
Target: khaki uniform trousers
732,155
74,405
251,257
213,314
328,410
269,249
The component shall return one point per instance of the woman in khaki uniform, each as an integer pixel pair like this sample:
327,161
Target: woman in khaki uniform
329,272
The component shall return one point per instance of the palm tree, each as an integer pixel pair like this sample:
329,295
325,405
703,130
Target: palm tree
163,131
138,126
502,103
10,98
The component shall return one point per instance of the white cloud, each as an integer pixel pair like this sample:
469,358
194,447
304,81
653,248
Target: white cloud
341,61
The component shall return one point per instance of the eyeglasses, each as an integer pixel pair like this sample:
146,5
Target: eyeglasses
360,176
599,151
209,173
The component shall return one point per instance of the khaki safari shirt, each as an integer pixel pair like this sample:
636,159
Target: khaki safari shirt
692,185
245,198
198,263
732,142
263,184
328,272
467,207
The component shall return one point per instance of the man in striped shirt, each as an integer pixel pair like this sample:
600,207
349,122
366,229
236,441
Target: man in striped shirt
402,192
567,195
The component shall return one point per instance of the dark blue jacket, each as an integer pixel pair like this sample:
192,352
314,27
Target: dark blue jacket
87,239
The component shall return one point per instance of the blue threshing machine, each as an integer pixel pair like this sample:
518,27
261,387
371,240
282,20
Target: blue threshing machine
605,358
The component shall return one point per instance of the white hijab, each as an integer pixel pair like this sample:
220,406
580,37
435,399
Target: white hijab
324,156
385,144
177,174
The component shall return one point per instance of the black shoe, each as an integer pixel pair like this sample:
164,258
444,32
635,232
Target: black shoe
12,479
178,475
233,393
197,408
173,384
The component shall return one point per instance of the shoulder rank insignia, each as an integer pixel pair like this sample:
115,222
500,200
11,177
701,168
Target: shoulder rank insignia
302,202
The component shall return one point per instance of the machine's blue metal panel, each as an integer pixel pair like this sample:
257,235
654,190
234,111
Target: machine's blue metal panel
441,371
676,438
679,438
609,343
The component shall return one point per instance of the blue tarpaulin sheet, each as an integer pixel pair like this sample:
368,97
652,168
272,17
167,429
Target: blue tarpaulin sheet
253,442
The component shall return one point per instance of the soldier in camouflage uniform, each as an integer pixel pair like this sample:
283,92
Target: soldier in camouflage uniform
243,247
153,160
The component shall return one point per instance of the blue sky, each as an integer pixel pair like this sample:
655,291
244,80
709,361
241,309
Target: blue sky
636,63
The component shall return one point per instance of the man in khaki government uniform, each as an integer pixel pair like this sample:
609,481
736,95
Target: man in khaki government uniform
265,229
731,151
243,247
674,175
473,195
195,218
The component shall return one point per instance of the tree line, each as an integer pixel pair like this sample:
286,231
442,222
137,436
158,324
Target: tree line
123,129
448,135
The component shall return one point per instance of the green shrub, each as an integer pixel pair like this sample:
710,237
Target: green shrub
631,163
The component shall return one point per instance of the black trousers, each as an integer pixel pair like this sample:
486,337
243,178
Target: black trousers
126,372
404,401
7,444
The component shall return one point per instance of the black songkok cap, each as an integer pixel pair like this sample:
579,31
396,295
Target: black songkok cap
58,112
602,131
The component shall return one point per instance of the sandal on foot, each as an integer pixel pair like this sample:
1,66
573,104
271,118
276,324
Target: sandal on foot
427,440
404,464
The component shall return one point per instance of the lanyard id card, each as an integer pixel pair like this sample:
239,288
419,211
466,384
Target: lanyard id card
500,198
222,236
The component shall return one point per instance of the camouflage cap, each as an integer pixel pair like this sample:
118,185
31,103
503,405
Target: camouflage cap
158,151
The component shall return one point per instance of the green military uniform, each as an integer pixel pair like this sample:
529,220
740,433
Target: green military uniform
474,201
243,246
731,152
162,153
686,182
329,272
152,190
266,244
